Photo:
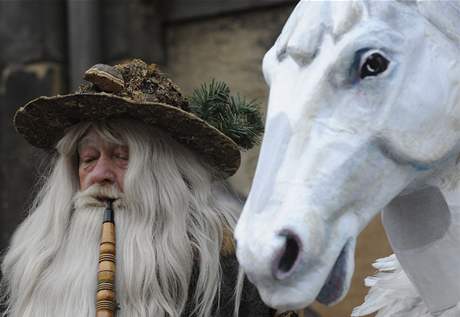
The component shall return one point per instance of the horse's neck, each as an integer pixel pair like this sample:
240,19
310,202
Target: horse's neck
424,230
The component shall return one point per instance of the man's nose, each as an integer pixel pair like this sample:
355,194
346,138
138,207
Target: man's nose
103,172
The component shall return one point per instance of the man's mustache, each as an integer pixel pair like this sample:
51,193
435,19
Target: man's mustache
97,195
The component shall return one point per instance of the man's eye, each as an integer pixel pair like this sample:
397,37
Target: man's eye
373,65
87,159
121,157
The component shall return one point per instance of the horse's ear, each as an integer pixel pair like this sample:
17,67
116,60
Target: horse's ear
445,15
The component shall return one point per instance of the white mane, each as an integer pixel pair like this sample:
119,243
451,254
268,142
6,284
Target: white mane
392,294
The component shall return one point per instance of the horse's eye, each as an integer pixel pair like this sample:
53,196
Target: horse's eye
373,65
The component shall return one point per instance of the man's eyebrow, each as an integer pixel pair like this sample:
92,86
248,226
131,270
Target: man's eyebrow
84,141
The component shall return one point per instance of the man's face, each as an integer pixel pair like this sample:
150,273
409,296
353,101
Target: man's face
101,162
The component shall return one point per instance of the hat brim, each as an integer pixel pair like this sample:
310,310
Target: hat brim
43,122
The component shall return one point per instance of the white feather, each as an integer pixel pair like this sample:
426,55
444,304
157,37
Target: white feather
392,294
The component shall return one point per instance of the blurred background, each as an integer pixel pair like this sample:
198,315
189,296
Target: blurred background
46,45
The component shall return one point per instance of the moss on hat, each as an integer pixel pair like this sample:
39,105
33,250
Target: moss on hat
140,91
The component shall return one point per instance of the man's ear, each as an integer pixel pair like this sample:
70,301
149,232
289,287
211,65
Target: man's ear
444,15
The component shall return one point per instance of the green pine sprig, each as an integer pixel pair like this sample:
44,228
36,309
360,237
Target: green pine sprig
234,116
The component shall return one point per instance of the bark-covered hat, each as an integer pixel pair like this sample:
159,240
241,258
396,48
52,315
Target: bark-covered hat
211,122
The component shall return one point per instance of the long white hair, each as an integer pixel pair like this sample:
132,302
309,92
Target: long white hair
173,216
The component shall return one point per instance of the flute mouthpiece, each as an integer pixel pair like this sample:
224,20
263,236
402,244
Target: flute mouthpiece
108,213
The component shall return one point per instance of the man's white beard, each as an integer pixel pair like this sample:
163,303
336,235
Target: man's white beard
68,286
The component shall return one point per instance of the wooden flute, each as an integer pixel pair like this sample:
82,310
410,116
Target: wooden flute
106,305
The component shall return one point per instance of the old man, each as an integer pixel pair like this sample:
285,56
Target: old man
128,139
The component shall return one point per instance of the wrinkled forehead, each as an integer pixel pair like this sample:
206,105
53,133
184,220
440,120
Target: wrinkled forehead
312,20
99,135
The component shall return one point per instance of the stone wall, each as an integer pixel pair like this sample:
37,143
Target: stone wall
32,61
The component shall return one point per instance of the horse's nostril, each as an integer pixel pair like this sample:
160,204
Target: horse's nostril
290,255
287,258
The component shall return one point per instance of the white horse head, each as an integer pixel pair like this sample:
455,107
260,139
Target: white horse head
364,106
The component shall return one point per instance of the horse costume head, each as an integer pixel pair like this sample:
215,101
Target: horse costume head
364,110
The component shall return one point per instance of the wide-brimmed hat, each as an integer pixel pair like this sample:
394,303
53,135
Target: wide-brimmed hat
135,90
